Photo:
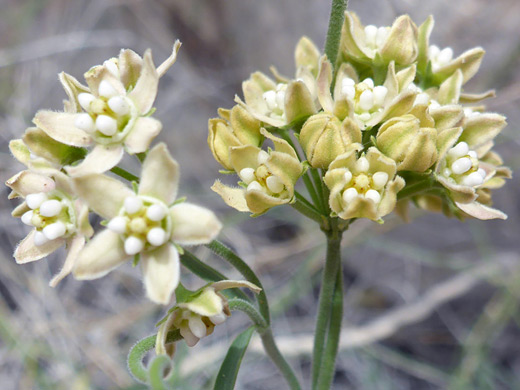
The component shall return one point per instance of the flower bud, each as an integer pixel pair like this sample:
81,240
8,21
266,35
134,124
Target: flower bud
412,147
241,129
324,137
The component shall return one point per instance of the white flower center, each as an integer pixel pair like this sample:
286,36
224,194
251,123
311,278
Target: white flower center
367,98
438,57
275,101
375,38
360,183
108,116
143,223
462,166
261,179
52,214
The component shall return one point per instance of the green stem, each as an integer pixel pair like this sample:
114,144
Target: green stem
275,355
124,174
337,14
311,189
250,310
241,266
328,363
318,182
304,200
136,354
332,267
267,337
307,211
416,189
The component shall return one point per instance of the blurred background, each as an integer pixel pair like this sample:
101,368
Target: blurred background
429,305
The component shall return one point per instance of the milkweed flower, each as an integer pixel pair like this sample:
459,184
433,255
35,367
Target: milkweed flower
56,215
197,313
149,224
111,113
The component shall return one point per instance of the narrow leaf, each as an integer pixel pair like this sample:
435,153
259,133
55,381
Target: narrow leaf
227,375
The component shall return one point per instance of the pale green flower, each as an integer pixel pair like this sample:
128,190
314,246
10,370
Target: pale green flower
111,113
148,224
379,46
364,102
236,127
466,165
364,186
197,313
267,178
57,216
441,62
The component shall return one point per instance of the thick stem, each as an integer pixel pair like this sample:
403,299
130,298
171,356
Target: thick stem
275,355
337,14
332,267
328,363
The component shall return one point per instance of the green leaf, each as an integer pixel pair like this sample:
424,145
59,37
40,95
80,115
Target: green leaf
227,375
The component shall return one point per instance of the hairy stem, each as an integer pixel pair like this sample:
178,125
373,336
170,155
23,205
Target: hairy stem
275,355
323,319
237,304
337,14
328,362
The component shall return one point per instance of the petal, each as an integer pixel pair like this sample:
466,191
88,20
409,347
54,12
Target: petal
193,225
226,284
161,272
298,101
478,210
167,64
74,246
130,65
160,175
142,135
101,159
207,304
103,194
323,82
72,88
100,256
143,95
232,196
20,151
61,127
26,251
27,182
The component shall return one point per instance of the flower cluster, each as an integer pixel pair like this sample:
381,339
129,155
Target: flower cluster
387,122
67,155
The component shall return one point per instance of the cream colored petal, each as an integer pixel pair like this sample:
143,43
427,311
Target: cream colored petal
100,256
143,95
61,127
72,88
233,197
324,80
101,159
207,304
142,135
163,68
161,273
226,284
103,194
480,211
160,175
193,225
28,182
20,151
20,210
75,245
26,251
